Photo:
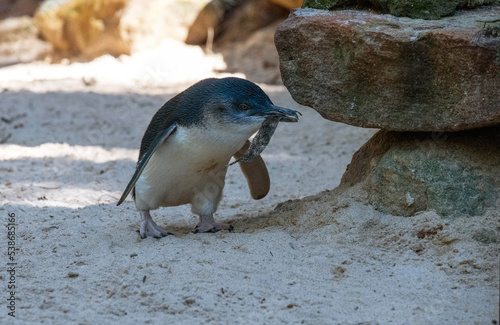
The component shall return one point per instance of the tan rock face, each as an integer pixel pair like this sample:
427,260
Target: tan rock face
89,28
256,57
147,23
230,21
394,73
86,28
288,4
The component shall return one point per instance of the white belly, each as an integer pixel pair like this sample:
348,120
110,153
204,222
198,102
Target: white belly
189,167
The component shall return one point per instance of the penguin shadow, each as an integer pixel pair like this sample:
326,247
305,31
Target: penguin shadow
183,224
178,228
185,228
250,224
280,215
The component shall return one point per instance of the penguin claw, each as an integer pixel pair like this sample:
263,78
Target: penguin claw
150,229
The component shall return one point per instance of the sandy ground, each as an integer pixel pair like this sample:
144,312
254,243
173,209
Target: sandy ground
70,138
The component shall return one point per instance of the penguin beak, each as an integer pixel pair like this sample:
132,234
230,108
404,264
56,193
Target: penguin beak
285,114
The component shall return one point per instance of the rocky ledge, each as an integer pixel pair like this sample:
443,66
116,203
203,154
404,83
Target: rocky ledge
433,87
394,73
454,174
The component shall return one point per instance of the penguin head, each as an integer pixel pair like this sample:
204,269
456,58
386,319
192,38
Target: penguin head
241,104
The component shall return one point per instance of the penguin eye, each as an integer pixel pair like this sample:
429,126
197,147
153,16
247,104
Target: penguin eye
244,107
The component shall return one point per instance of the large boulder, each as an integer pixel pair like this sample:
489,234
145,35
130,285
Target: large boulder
454,174
381,71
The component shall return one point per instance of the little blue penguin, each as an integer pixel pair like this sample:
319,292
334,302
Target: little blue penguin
186,149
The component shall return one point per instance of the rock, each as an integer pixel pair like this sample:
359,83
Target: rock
88,28
418,9
476,3
381,71
288,4
147,24
233,21
256,57
19,41
428,9
422,9
243,32
208,23
250,17
17,8
485,236
454,174
325,4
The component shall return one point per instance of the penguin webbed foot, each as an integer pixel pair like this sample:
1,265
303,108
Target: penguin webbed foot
207,224
149,228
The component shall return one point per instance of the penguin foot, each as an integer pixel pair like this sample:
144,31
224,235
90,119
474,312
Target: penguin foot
208,224
150,229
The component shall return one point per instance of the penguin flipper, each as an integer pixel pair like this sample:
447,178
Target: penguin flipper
141,164
255,172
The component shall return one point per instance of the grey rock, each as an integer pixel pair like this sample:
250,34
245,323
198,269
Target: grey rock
423,9
454,174
400,74
485,236
233,20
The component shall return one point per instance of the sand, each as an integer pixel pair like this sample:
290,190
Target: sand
70,136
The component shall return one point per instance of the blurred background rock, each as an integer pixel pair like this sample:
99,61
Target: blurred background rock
83,30
19,41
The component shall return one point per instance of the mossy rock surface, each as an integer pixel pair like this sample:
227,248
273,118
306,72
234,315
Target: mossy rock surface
485,236
470,4
454,174
417,9
325,4
423,9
